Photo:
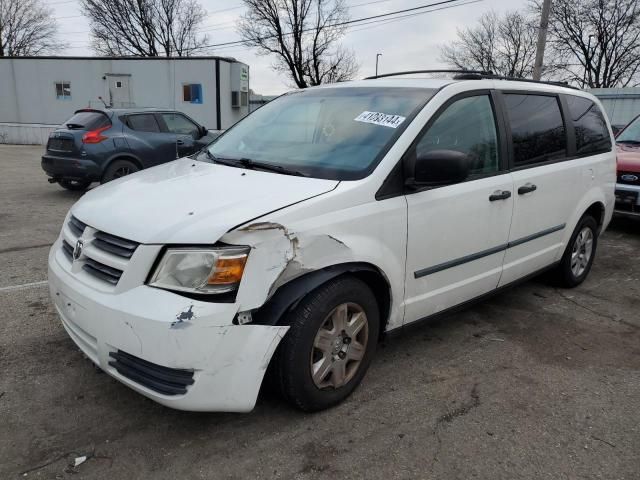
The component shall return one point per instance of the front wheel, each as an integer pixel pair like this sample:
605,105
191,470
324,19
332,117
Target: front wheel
329,346
579,254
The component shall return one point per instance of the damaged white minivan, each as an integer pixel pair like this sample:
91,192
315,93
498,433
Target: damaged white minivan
322,220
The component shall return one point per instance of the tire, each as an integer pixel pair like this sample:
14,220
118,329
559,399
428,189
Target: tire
118,169
299,352
74,185
578,257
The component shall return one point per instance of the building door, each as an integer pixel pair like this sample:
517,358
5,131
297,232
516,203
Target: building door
119,91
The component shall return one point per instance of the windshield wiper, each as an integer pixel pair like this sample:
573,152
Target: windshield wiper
253,165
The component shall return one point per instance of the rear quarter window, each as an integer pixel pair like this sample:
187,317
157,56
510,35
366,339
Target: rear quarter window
592,134
537,128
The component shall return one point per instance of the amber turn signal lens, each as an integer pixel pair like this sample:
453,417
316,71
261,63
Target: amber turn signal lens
228,270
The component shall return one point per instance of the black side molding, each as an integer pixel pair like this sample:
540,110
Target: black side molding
485,253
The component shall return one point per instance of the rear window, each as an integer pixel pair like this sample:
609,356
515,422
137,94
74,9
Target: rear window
592,135
537,128
143,123
87,121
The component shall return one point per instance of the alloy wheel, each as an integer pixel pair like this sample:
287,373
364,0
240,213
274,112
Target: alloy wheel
581,251
339,346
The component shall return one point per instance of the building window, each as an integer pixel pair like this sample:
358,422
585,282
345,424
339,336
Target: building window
63,90
192,93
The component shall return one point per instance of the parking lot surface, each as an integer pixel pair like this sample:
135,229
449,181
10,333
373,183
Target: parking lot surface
535,382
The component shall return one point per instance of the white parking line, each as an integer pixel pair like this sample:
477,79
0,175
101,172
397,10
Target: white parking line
12,288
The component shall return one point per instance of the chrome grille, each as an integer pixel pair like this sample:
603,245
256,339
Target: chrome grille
67,249
116,245
104,256
102,271
76,226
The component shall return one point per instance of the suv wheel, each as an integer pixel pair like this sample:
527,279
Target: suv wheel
331,342
579,254
74,185
117,169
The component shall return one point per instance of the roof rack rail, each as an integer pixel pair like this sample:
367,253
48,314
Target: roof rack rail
411,72
476,75
529,80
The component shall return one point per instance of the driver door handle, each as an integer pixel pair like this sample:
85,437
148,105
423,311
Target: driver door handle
527,188
499,195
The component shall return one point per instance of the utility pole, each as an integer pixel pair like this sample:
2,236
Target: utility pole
542,39
378,55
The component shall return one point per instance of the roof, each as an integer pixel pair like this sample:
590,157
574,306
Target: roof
55,57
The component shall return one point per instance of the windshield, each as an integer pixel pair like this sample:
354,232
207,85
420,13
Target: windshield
631,133
332,133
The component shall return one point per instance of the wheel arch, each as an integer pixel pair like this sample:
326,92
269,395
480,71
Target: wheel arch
123,156
287,296
597,211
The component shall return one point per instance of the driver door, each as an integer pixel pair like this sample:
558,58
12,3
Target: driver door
185,132
457,234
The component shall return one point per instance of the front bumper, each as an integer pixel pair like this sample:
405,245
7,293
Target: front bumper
59,167
228,361
626,204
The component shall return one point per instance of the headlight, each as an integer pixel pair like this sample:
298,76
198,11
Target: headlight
200,270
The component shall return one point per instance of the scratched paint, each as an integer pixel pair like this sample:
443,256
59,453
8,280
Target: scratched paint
183,318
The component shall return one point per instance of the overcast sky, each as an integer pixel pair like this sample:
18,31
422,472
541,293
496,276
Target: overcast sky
409,43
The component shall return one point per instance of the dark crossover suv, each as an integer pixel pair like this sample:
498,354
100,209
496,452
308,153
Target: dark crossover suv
104,144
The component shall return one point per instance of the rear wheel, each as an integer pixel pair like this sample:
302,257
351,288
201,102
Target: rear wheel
74,185
579,254
329,346
117,169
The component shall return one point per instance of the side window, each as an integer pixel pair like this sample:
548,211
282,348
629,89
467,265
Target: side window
180,125
467,126
143,123
537,128
592,135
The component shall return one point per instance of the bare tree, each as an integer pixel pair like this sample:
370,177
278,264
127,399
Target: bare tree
147,28
504,45
598,41
26,28
303,36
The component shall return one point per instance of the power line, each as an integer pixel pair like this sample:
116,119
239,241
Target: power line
372,24
444,4
339,24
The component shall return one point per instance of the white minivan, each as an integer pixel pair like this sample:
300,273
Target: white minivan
323,220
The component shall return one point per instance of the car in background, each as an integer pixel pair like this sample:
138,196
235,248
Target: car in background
628,175
99,145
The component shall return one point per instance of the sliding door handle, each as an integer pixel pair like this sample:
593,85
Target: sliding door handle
527,188
499,195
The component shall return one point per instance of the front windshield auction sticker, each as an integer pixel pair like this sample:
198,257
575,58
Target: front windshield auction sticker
378,118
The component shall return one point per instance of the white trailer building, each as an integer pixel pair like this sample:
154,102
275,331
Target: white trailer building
39,93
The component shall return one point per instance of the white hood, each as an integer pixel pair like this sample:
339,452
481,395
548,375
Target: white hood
187,201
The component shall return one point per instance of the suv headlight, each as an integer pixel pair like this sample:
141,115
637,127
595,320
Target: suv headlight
201,270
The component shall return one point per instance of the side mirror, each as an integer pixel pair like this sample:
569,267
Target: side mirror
203,131
441,167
